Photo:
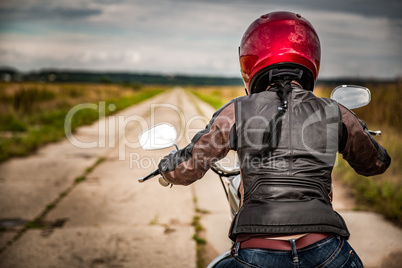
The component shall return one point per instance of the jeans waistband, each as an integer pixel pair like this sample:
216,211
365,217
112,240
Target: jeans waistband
275,244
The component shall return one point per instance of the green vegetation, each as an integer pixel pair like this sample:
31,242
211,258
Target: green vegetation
79,179
202,211
382,193
35,224
33,114
197,224
199,241
198,236
89,169
154,221
64,76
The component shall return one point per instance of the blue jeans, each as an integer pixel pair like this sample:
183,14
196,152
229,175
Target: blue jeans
330,252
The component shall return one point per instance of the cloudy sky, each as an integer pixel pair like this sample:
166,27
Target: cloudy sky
358,37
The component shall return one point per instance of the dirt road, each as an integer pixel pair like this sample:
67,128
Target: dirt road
86,208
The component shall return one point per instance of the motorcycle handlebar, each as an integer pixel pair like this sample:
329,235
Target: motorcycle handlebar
224,171
150,175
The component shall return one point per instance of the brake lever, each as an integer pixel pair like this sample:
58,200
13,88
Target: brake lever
375,133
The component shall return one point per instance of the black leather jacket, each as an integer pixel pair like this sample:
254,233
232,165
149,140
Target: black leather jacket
285,190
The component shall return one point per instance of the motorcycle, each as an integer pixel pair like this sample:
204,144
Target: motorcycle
164,135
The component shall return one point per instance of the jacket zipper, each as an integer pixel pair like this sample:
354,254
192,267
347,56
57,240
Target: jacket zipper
290,111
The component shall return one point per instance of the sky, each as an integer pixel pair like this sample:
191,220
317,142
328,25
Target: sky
359,38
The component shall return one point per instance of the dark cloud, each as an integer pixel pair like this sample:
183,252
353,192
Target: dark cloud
73,13
191,36
108,2
391,9
45,13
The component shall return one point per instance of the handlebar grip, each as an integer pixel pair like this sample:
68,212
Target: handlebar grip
152,174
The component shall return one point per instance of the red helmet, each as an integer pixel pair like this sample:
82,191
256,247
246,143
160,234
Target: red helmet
279,40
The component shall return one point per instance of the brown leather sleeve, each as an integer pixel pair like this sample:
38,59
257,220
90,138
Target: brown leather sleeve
362,151
212,144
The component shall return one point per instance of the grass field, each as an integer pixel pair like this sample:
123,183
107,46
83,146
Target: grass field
33,114
382,193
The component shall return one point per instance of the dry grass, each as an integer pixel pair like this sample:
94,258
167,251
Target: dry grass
217,96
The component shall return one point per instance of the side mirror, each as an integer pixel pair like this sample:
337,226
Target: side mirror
159,136
351,97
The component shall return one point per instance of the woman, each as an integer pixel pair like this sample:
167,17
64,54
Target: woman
286,139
